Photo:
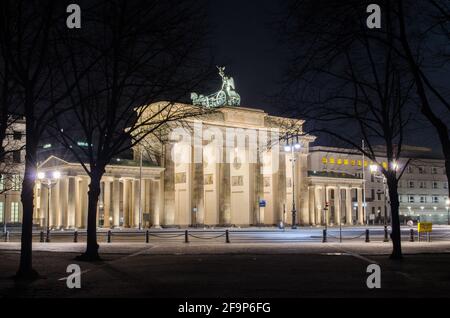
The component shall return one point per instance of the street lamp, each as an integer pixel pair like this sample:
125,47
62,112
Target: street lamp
49,183
292,148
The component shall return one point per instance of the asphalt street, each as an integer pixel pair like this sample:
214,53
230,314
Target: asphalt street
237,270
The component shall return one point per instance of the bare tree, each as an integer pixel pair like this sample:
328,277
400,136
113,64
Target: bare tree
349,87
434,103
28,35
8,117
144,52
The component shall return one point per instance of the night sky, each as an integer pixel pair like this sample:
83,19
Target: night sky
244,41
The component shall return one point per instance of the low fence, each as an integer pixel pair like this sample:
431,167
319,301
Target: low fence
225,236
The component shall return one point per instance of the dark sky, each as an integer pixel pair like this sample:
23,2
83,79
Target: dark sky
244,41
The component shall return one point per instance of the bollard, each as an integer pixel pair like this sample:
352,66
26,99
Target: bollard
47,238
109,236
7,236
41,237
367,236
324,239
75,237
147,236
386,238
186,236
227,236
411,235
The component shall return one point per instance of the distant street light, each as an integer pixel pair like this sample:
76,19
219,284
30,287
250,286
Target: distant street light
291,148
49,183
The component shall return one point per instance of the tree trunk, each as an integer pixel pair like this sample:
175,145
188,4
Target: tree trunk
26,271
91,253
395,218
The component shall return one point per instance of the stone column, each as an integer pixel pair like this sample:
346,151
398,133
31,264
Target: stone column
312,205
116,202
106,203
318,205
135,217
148,200
84,201
143,196
126,203
360,207
71,189
78,203
327,199
55,211
348,206
64,201
43,207
337,206
159,211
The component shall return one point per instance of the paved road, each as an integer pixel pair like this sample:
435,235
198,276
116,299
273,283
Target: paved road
244,235
234,270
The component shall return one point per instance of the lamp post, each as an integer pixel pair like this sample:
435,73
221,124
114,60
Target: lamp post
49,183
292,148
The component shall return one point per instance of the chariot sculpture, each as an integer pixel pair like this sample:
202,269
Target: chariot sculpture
227,96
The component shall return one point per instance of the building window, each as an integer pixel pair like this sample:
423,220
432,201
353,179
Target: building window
385,165
16,157
423,200
324,160
332,160
421,170
2,214
180,177
400,199
17,135
353,162
378,196
410,169
435,185
445,185
372,178
422,185
359,163
372,192
2,183
434,170
237,181
15,212
16,183
435,199
411,184
411,199
339,161
346,162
